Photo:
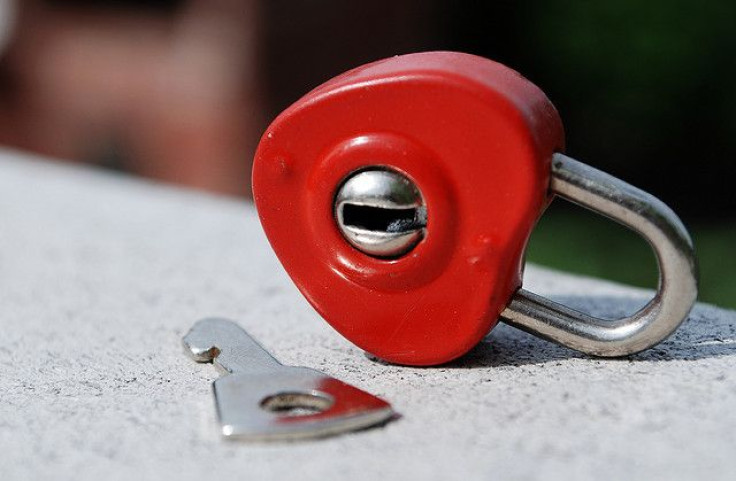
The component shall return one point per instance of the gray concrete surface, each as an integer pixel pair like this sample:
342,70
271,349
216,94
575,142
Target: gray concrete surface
101,275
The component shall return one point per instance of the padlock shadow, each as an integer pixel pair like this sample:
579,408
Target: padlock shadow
707,333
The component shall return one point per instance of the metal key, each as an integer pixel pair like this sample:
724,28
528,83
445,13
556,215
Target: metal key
259,398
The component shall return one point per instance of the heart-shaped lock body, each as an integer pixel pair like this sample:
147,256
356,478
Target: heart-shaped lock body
472,136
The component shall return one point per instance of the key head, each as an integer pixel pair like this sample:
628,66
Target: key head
256,406
475,139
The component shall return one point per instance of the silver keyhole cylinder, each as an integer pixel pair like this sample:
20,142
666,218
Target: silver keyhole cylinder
380,212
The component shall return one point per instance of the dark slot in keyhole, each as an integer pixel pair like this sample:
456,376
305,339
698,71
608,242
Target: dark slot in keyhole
382,219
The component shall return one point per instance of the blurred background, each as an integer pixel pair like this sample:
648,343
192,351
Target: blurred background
180,91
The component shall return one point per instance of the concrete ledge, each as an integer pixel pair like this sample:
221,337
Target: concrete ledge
101,275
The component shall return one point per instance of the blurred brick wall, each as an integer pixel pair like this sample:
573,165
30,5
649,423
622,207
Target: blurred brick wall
181,90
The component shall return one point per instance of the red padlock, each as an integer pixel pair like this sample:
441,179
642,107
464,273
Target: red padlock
400,196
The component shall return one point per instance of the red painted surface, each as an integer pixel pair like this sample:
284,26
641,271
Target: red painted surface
476,138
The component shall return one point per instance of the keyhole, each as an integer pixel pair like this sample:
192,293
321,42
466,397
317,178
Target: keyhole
381,213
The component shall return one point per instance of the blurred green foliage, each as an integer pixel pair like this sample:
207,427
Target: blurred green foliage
645,88
646,91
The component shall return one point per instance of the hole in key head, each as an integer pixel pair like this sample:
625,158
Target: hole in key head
297,403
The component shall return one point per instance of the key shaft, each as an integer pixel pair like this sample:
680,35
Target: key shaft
228,347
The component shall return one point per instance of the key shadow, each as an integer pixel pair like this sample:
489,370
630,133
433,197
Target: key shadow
707,333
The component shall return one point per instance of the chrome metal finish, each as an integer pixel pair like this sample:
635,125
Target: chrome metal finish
380,212
653,220
260,399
